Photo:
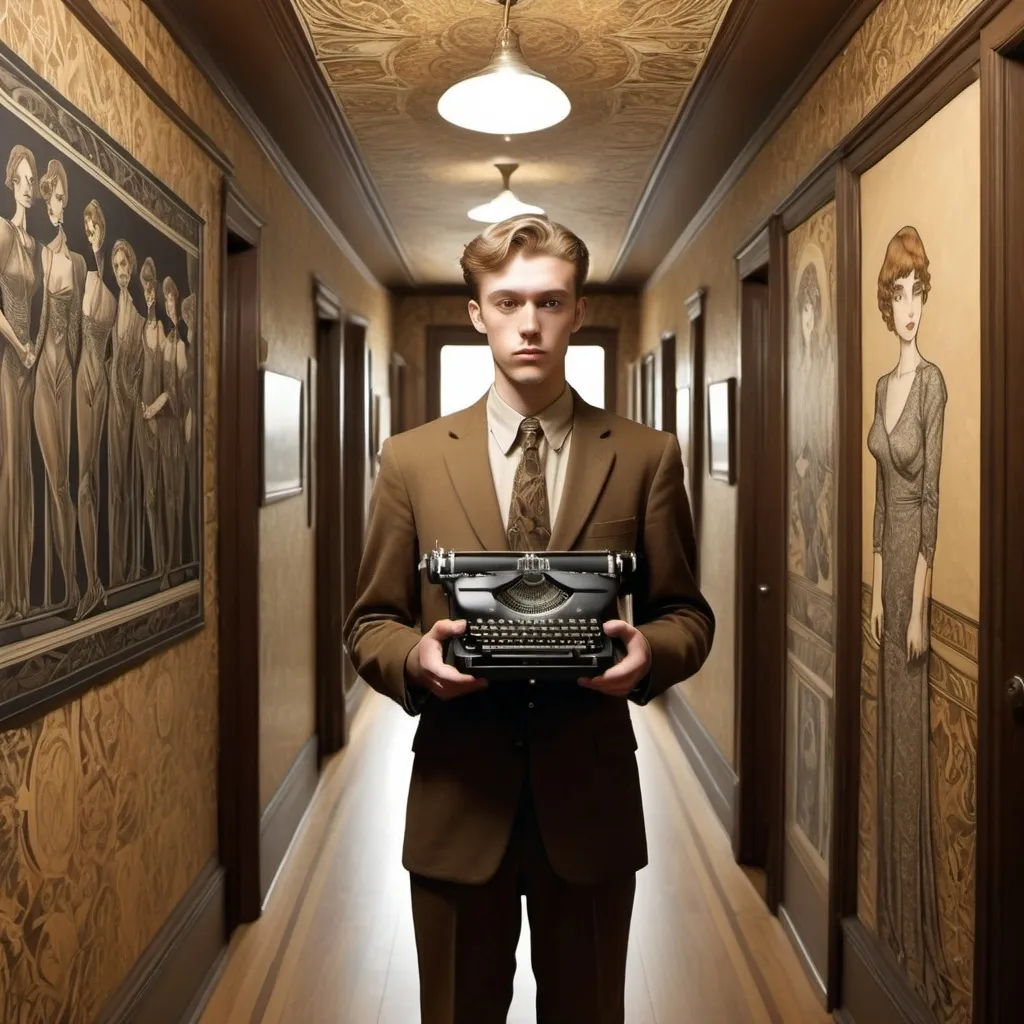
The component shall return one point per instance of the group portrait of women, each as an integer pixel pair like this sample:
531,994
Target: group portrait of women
98,396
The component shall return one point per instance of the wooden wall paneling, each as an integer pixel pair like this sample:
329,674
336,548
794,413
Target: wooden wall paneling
238,547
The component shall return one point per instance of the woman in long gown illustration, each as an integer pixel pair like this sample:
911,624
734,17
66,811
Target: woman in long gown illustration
149,441
811,446
905,439
20,276
60,326
190,316
92,387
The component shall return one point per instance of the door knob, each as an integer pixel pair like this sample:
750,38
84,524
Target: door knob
1015,694
763,589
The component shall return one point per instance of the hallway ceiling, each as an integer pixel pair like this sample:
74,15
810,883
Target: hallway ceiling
670,97
626,65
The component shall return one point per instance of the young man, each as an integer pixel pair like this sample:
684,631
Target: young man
521,789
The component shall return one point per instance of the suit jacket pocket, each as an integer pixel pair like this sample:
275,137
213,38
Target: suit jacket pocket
612,528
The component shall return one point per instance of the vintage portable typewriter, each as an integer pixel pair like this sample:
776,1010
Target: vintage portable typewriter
532,615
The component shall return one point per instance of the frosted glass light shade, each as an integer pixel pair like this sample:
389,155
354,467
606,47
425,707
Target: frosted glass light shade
507,97
503,206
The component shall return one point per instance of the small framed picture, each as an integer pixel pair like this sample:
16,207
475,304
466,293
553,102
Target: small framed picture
282,423
721,430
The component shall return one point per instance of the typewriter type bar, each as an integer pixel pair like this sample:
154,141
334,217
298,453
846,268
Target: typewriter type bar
532,615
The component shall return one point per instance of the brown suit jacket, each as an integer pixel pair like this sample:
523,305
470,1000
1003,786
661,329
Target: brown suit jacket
624,491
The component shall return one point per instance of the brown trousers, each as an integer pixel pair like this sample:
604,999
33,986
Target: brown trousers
466,939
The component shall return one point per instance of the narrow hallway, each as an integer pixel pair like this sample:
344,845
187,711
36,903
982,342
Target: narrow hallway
335,943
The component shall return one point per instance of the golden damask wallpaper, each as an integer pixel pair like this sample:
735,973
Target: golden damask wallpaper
413,314
626,67
108,805
892,41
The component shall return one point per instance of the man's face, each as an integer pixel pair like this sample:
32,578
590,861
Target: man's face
122,268
528,310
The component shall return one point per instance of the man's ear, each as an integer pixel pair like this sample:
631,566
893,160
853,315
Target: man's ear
581,314
474,315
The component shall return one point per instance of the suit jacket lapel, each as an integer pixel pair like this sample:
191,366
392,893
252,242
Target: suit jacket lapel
469,468
591,457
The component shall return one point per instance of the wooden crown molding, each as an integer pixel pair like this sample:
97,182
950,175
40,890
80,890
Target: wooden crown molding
240,216
695,305
97,25
721,48
755,254
831,47
328,304
233,99
290,33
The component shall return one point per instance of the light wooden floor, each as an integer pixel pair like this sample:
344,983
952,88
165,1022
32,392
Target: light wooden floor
335,944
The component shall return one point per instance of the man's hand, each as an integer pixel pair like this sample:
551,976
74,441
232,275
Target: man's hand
621,678
426,667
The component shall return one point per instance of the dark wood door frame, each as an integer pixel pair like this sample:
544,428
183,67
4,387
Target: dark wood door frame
238,560
356,469
761,561
999,893
692,376
665,383
440,335
330,518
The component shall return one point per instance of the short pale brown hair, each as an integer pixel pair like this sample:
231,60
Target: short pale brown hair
54,173
904,256
531,235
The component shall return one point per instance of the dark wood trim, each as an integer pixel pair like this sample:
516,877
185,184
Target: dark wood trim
665,383
108,38
998,967
761,566
829,49
232,98
281,820
291,34
695,306
875,990
843,874
330,517
238,547
775,429
754,254
177,972
816,190
709,764
725,41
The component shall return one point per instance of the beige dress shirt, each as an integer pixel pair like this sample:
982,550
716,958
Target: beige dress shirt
503,427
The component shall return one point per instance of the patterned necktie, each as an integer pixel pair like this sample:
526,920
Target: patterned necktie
529,523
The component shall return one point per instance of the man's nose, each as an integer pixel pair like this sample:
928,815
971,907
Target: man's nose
529,325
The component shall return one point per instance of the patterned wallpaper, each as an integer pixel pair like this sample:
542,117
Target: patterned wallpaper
626,67
893,41
108,805
413,314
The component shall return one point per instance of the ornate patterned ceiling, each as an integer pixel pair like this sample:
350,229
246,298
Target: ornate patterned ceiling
626,65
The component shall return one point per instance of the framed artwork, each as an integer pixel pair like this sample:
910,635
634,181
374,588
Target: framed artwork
721,433
684,413
101,386
311,436
282,422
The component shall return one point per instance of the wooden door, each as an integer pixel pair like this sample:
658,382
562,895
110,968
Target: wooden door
999,948
238,555
761,564
355,467
331,516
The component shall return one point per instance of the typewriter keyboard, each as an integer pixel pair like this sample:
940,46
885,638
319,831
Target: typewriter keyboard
497,636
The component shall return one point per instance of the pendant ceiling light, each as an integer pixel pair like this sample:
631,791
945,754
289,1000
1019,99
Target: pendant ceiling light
507,97
505,204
